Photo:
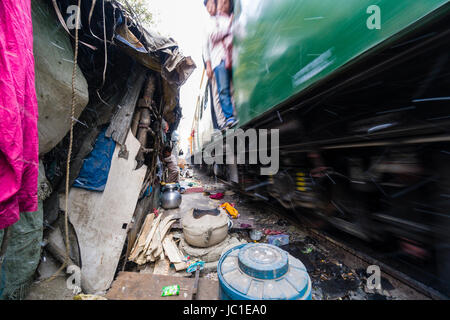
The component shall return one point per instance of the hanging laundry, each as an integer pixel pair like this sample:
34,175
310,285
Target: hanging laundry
19,164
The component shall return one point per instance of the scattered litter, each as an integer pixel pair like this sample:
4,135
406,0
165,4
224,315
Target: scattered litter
230,210
255,235
170,291
278,240
308,250
217,196
192,266
271,232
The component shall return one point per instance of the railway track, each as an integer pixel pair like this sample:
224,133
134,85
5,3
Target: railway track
356,258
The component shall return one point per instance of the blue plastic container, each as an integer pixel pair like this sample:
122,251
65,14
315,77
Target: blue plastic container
260,271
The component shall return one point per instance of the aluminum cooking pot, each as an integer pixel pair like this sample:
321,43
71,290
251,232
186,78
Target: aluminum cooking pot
171,197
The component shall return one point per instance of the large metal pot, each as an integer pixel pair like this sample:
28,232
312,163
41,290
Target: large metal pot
171,197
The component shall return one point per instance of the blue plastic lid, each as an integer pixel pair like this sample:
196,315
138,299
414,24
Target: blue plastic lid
263,261
262,271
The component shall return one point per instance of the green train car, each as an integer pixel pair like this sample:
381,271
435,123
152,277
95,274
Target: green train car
283,48
360,93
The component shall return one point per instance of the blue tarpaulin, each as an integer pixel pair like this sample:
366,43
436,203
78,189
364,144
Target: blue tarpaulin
95,170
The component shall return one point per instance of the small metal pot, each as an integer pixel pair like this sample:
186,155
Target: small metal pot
171,197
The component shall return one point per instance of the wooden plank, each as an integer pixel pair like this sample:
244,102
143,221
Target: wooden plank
155,246
142,256
152,232
134,231
167,226
156,241
140,243
121,120
208,289
180,266
171,250
159,250
141,286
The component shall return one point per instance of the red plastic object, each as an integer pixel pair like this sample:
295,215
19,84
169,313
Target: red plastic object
271,232
217,196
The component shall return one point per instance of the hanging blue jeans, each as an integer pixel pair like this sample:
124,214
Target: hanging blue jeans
223,79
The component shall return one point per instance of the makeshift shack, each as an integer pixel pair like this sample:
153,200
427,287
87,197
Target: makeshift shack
126,84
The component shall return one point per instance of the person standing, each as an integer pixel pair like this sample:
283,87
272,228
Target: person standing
172,165
218,55
211,7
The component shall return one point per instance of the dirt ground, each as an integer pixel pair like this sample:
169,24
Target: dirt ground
331,278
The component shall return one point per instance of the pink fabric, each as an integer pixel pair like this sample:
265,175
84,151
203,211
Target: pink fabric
19,164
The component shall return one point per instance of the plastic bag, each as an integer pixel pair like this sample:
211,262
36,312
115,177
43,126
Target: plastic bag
278,240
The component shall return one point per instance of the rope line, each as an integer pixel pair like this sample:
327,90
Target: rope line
69,153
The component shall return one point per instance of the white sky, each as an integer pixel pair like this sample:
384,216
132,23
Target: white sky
183,20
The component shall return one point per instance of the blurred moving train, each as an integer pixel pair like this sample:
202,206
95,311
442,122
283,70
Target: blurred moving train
360,91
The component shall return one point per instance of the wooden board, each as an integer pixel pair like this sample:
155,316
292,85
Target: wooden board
140,242
156,244
121,121
180,266
139,286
